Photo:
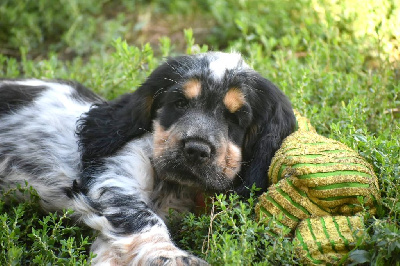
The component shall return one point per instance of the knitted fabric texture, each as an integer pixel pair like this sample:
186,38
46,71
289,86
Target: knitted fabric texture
316,185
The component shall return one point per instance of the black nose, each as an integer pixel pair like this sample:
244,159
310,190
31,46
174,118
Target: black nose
197,151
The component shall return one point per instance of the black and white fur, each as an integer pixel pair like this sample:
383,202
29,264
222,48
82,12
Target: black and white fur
206,122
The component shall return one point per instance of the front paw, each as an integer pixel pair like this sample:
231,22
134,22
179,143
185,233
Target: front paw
149,248
187,260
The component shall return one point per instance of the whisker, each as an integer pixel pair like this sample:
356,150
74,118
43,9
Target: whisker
174,69
158,92
148,131
171,80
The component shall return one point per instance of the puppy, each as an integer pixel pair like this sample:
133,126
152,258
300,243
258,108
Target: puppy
205,122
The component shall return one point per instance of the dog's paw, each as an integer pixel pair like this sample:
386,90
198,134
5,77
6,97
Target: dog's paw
142,249
187,260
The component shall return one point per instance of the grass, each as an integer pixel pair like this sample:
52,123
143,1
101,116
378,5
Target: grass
338,62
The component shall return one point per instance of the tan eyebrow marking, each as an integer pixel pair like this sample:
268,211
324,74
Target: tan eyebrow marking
192,88
234,99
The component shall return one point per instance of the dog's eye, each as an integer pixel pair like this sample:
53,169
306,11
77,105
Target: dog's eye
181,104
240,118
233,118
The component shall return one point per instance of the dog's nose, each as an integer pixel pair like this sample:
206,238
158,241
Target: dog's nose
197,151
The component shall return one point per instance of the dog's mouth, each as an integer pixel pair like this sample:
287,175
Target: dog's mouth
173,166
206,163
182,175
188,178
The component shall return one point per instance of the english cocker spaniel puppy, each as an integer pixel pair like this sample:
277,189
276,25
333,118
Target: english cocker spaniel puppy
205,122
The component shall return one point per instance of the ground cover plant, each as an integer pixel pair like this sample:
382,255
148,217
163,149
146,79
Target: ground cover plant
338,62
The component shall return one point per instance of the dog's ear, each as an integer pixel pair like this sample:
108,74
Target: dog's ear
109,125
273,120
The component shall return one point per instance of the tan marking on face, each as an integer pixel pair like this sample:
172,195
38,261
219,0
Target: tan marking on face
192,88
229,158
234,99
163,140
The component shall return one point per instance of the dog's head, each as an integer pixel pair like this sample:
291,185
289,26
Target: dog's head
216,122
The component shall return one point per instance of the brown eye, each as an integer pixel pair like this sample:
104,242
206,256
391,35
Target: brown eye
181,104
232,118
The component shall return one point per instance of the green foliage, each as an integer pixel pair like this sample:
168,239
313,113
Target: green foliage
56,24
29,237
338,62
232,236
382,247
110,75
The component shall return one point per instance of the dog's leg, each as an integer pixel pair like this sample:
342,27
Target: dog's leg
130,232
117,203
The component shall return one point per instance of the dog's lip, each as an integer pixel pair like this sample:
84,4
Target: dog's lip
179,171
191,179
185,174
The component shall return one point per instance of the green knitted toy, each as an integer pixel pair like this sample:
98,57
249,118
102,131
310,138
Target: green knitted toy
316,182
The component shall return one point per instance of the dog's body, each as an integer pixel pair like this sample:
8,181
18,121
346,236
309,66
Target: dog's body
199,123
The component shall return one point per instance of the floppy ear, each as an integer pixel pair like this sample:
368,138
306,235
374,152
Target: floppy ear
109,125
273,120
